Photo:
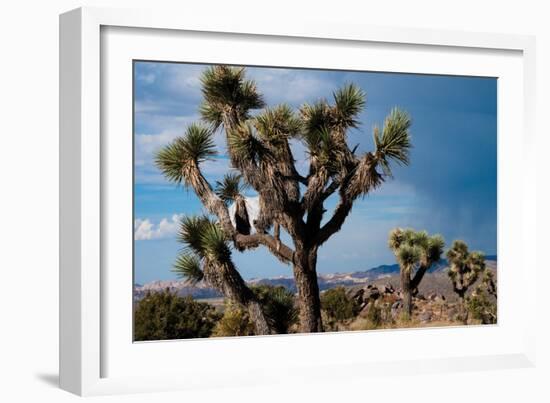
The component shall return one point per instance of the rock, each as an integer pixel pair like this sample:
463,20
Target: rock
372,294
365,311
388,289
452,313
425,316
396,308
356,294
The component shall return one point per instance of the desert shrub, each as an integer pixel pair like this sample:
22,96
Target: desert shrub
374,316
338,305
278,305
166,316
372,320
234,322
482,307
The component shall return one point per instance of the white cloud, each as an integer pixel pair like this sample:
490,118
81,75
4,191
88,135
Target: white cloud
290,86
148,78
184,80
144,229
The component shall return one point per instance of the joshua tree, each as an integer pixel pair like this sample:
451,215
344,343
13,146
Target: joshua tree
464,270
207,256
489,283
416,252
259,147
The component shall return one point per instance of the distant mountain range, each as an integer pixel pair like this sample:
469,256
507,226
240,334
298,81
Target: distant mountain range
326,281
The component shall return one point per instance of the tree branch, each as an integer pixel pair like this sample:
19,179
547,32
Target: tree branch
217,207
279,249
418,276
337,220
361,178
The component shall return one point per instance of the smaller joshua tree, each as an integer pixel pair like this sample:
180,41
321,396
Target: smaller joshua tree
465,268
416,252
489,283
207,257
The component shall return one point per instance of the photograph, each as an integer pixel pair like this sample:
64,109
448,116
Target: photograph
271,200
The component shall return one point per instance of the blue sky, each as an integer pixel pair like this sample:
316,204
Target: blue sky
449,187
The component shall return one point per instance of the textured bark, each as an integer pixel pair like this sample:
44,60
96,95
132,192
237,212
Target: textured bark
463,308
241,241
225,278
407,292
261,326
418,276
309,301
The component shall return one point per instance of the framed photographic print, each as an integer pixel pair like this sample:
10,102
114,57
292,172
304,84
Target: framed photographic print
245,196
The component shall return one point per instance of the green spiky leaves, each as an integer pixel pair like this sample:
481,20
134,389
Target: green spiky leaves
230,187
188,266
244,145
227,94
349,102
324,126
393,143
323,150
465,266
408,255
415,247
434,248
278,124
204,241
179,159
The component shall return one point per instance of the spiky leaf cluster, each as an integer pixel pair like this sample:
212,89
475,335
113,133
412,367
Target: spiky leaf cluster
408,255
244,144
188,266
465,266
393,142
324,150
349,101
178,160
225,88
325,125
278,305
414,248
278,124
204,243
230,187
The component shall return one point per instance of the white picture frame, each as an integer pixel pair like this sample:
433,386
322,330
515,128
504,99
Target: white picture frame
87,344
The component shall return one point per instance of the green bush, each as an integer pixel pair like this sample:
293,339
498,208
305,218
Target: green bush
374,316
166,316
234,322
482,307
338,305
278,305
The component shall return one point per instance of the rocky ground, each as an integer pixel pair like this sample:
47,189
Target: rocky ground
381,305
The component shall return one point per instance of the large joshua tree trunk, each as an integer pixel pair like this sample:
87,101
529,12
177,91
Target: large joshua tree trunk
305,275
